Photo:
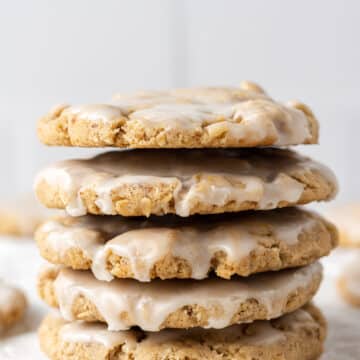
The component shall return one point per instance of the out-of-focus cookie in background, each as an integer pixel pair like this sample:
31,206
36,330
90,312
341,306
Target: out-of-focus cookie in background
20,312
13,305
21,215
347,219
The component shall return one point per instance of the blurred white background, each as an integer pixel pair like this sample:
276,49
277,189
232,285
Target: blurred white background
83,51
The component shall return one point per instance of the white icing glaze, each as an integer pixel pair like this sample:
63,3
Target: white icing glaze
80,332
95,112
130,103
245,115
241,121
205,95
149,305
262,333
205,177
61,238
184,116
244,120
96,333
144,243
242,113
297,319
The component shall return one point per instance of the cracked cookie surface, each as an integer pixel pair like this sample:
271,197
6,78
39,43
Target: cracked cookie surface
182,118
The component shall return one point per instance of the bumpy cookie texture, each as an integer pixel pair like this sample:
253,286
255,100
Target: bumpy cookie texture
182,118
349,282
210,303
184,182
171,247
347,220
12,305
296,336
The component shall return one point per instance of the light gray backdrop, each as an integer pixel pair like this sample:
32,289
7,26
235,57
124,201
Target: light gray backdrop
84,50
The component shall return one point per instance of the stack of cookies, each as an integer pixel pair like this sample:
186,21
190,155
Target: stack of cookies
162,255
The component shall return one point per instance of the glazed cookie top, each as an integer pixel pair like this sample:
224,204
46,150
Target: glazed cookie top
182,118
123,303
173,247
184,182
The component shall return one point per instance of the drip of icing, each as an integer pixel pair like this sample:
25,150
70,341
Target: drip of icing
62,238
124,303
296,319
262,333
196,244
81,332
208,178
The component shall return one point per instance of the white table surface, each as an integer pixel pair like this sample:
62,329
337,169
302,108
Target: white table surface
19,264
